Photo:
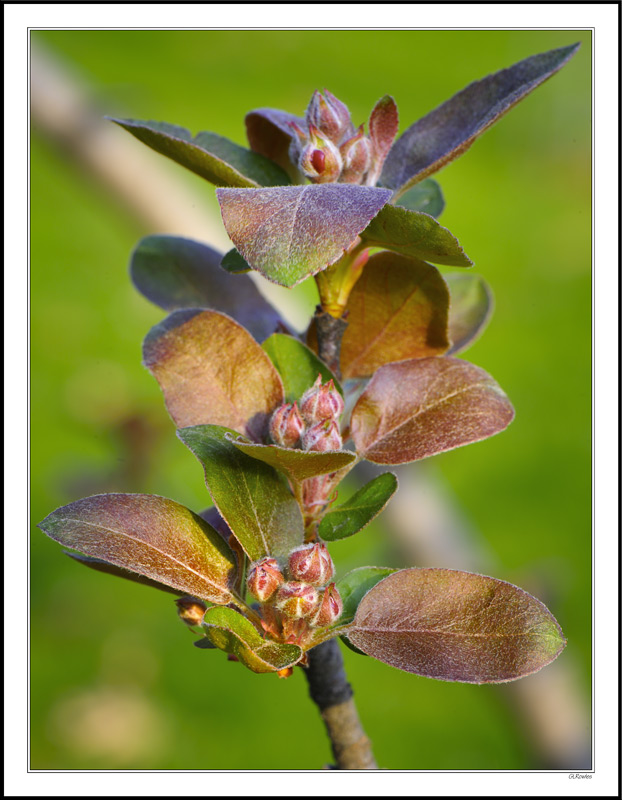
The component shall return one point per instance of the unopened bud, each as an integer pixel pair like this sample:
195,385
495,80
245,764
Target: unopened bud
191,610
322,436
264,579
286,425
311,563
329,609
320,403
329,115
296,599
320,160
356,153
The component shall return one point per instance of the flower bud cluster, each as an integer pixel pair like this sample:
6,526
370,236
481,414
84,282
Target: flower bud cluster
315,425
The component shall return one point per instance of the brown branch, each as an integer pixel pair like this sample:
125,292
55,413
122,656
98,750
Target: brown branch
330,331
330,691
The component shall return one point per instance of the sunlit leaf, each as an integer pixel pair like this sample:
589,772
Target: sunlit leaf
397,310
233,262
211,370
297,365
426,196
269,133
293,232
99,565
456,626
415,234
470,308
151,536
355,585
383,125
233,633
357,512
213,157
179,273
250,496
450,129
417,408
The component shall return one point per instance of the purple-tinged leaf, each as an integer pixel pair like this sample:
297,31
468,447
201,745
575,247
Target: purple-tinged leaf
151,536
233,633
212,517
297,365
298,465
269,133
111,569
355,585
426,196
179,273
449,130
356,513
414,234
233,262
417,408
471,305
456,626
383,125
211,370
258,507
293,232
213,157
397,310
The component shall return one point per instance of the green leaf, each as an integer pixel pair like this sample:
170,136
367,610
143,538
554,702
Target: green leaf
298,465
211,370
355,585
398,309
269,133
151,536
233,262
413,233
352,516
426,196
233,633
106,567
417,408
292,232
179,273
297,365
471,305
456,626
251,498
218,160
449,130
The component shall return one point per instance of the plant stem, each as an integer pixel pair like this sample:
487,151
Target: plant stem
330,691
330,331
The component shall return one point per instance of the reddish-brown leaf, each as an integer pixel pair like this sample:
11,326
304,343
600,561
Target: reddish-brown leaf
417,408
212,371
269,133
383,125
455,626
397,310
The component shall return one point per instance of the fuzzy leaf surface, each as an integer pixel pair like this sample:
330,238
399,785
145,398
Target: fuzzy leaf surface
414,234
426,196
417,408
297,365
354,586
292,232
213,157
449,130
151,536
456,626
398,309
99,565
471,305
269,133
383,125
179,273
249,495
352,516
211,370
298,465
234,634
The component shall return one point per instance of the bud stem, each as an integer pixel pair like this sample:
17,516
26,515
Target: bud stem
337,281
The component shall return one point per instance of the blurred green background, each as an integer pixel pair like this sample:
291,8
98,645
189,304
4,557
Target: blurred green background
115,680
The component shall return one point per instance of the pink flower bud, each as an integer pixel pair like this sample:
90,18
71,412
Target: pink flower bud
264,579
190,610
329,115
322,436
286,425
356,153
329,609
320,160
311,563
320,403
296,599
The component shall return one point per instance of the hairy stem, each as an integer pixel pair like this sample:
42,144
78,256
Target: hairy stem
330,331
330,691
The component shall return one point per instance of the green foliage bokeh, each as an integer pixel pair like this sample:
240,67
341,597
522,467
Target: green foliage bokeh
519,201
